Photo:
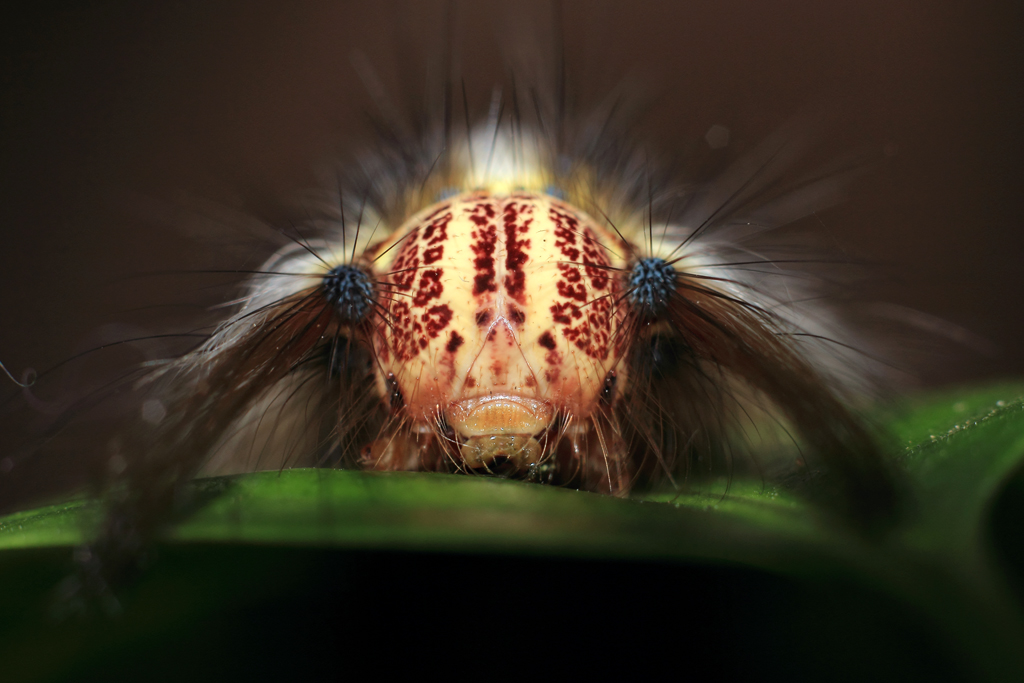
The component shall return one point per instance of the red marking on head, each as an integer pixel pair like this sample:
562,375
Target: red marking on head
430,287
561,313
470,382
484,282
403,331
591,333
593,254
570,291
454,342
547,341
437,231
405,266
531,381
588,333
565,227
515,315
436,319
483,248
515,251
433,254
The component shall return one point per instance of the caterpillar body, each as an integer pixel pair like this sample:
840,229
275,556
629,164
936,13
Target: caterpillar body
521,297
505,330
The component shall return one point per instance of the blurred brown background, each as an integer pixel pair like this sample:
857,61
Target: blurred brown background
105,106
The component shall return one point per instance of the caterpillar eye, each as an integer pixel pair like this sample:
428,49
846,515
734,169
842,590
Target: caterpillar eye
347,359
608,392
664,354
651,283
395,399
349,289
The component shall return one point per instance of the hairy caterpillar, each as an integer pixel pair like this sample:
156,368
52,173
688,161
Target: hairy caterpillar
684,336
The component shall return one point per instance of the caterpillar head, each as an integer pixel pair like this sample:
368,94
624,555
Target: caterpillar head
503,321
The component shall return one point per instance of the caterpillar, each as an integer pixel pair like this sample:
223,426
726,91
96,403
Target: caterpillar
526,292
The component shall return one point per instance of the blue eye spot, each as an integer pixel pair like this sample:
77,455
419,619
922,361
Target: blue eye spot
348,288
652,281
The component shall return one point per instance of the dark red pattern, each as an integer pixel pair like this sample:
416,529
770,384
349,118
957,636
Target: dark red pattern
410,333
433,254
594,254
404,269
517,219
430,287
436,319
486,238
437,231
589,333
565,312
455,340
406,331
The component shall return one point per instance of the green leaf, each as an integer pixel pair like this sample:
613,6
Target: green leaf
958,449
